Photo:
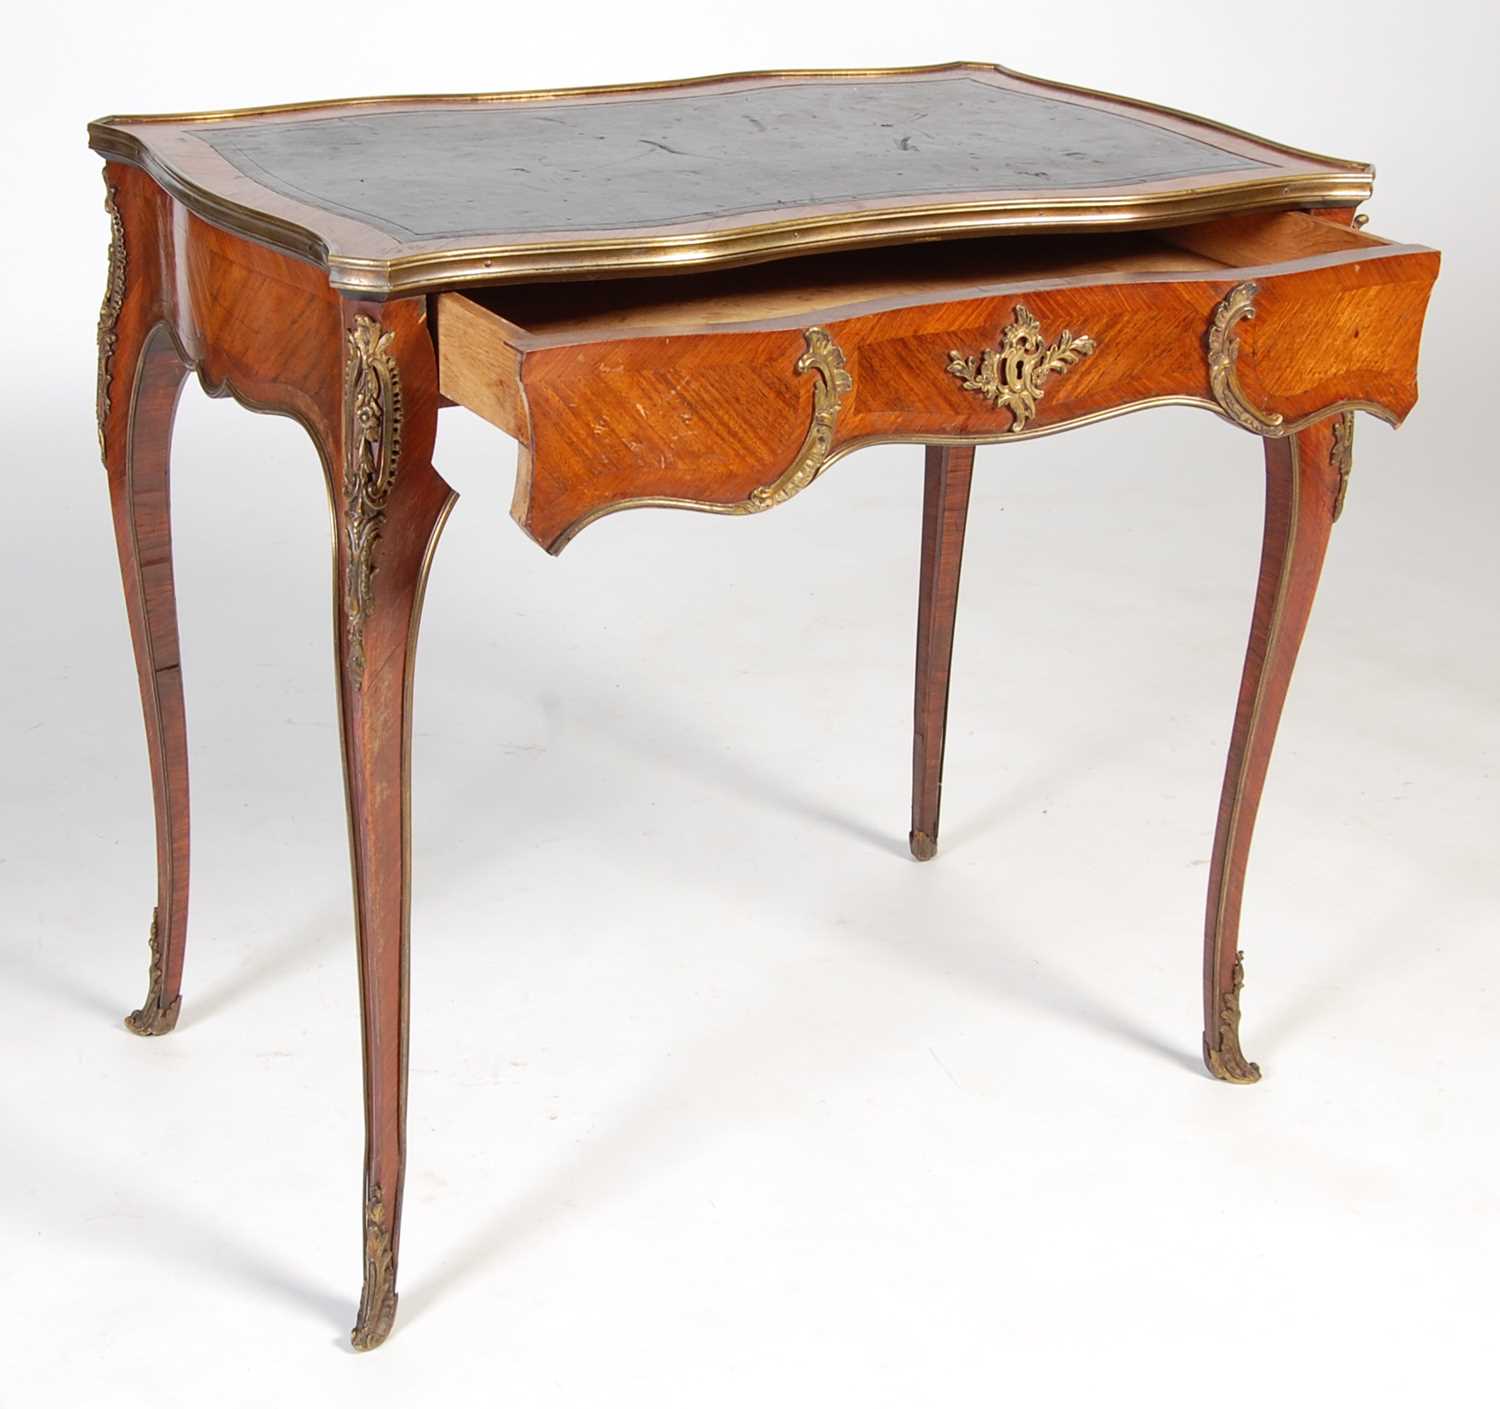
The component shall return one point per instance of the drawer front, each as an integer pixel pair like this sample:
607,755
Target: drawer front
739,419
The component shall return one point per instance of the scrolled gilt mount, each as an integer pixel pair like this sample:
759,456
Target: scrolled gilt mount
1223,363
1015,376
1341,457
1221,1049
826,358
109,310
1223,378
372,451
377,1304
156,1017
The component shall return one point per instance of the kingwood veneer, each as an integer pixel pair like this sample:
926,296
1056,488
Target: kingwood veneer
702,295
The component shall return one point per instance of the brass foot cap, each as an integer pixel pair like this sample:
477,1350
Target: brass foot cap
371,1331
154,1020
923,847
1231,1067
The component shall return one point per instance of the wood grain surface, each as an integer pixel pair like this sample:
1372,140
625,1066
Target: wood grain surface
269,331
945,514
621,395
729,391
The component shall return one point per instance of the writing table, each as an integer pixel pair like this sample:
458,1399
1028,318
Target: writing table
700,295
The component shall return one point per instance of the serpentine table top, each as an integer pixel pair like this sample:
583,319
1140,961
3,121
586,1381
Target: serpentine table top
408,194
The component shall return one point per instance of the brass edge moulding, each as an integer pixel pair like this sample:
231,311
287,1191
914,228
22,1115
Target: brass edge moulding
607,90
372,453
434,270
109,310
152,1018
657,501
1014,376
447,268
284,235
1341,457
377,1302
1222,1053
996,437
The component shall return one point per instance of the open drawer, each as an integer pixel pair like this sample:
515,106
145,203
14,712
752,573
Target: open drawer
730,391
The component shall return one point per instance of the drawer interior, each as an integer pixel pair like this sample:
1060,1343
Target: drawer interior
828,286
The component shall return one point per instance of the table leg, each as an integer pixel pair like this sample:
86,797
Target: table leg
390,512
141,377
1302,491
945,511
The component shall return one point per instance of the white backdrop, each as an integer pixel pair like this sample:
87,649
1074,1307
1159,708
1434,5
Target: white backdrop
716,1098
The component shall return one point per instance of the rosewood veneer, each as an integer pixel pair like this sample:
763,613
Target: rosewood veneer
703,295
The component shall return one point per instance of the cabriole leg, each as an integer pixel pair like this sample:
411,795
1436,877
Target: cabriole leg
390,512
945,512
1303,482
140,380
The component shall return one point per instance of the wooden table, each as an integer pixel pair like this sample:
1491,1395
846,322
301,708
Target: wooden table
699,295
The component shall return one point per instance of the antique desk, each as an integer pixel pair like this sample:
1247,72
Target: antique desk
700,295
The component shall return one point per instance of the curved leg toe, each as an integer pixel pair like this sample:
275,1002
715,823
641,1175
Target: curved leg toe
155,1017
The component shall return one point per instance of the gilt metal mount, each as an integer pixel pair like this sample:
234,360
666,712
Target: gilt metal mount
826,358
372,454
1015,376
1341,456
1221,1048
109,310
155,1018
1223,363
377,1303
